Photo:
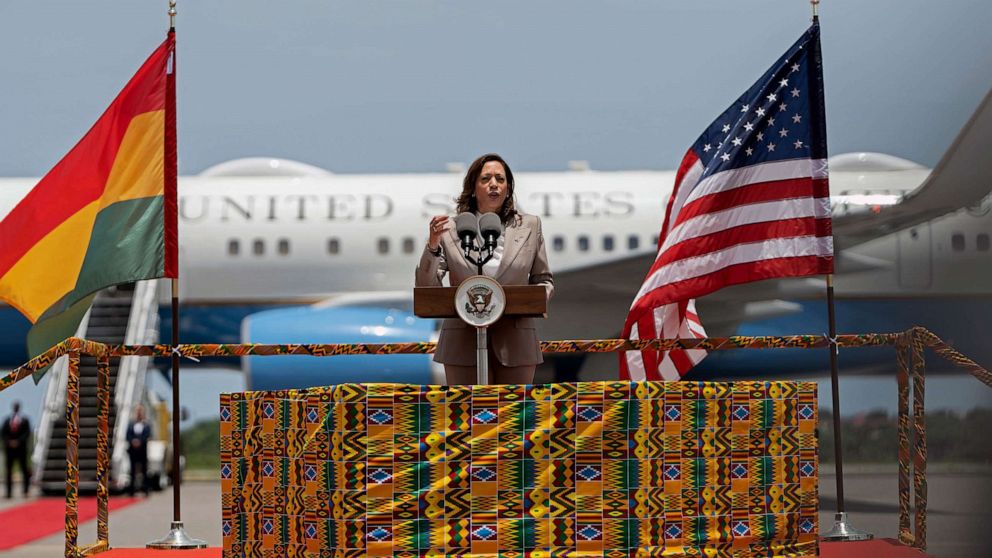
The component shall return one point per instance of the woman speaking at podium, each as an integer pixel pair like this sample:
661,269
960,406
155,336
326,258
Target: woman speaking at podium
519,259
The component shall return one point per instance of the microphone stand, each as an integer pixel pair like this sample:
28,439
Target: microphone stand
481,341
489,247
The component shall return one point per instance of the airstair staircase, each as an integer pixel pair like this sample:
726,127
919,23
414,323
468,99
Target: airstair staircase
122,314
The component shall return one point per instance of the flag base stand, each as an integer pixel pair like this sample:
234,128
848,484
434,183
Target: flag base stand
842,531
177,539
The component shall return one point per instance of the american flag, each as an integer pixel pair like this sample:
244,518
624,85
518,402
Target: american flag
751,201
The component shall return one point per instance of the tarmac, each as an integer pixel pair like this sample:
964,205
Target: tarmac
959,514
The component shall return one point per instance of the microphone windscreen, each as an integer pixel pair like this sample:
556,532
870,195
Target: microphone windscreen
466,224
490,225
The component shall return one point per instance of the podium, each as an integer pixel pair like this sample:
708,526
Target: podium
521,301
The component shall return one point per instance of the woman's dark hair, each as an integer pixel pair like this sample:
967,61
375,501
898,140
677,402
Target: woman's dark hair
466,200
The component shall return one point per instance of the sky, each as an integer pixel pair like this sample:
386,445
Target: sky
378,86
408,86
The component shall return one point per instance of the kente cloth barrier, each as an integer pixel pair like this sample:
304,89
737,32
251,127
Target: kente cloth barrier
586,469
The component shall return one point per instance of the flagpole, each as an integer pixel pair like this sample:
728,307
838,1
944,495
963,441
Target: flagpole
176,539
835,393
842,530
176,411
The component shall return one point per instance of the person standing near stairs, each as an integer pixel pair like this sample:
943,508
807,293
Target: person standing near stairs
138,433
16,433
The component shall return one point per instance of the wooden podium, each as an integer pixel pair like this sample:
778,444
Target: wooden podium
522,301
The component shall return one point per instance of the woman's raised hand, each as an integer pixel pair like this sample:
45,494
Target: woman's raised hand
439,224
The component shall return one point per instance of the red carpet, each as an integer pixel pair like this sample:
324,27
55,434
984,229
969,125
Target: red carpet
46,516
879,548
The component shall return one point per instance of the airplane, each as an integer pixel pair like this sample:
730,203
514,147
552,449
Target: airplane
278,251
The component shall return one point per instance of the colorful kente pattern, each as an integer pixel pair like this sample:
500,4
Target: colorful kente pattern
102,448
587,469
72,456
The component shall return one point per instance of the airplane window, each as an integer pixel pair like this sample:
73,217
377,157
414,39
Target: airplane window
608,243
383,245
333,246
558,242
957,242
654,240
408,245
982,242
283,246
633,241
233,247
258,247
583,243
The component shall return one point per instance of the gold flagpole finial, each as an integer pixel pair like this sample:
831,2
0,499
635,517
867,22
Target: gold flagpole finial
815,4
172,13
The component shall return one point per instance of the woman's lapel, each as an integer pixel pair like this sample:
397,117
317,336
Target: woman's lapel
516,237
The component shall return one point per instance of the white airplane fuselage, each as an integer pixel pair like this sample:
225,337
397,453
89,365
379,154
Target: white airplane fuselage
245,239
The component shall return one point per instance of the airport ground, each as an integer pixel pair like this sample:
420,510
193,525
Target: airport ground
960,511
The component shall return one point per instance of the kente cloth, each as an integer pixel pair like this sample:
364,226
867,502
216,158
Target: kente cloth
586,469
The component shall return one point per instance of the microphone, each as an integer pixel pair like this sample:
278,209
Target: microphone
490,228
467,227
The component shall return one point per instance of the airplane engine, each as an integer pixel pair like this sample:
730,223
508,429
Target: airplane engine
315,324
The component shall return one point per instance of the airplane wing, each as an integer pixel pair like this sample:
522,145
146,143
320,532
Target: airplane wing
961,179
592,302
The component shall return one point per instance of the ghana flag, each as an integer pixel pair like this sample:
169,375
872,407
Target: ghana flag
104,215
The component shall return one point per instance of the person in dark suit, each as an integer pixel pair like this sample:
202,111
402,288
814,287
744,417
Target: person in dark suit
16,432
138,433
520,259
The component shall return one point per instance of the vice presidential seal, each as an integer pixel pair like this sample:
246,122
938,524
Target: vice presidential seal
480,301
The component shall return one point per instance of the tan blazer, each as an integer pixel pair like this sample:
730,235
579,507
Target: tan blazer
524,262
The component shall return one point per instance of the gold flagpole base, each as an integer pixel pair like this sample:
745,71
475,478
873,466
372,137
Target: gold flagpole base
842,531
177,539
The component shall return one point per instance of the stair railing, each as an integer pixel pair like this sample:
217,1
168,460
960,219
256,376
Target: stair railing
142,329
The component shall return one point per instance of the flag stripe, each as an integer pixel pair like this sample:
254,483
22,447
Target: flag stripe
677,360
727,180
117,236
664,322
755,193
86,166
689,173
126,245
744,234
632,363
48,270
799,266
765,212
137,171
46,333
772,248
